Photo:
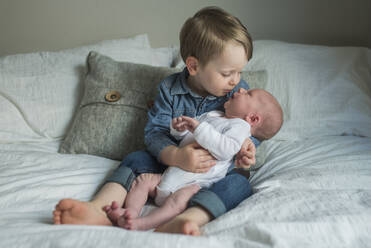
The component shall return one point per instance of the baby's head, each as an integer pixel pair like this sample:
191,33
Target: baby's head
205,35
215,47
259,108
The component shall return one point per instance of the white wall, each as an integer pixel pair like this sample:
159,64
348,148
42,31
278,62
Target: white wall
35,25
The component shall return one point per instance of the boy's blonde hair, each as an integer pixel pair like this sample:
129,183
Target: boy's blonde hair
204,35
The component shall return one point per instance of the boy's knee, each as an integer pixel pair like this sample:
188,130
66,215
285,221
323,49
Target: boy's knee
243,172
223,195
135,158
141,162
240,181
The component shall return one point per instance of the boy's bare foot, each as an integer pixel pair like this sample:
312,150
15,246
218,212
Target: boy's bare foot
181,226
70,211
114,212
188,222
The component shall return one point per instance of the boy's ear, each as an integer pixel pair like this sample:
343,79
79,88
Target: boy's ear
253,119
192,65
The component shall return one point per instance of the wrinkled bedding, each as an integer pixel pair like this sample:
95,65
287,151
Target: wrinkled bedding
311,183
313,192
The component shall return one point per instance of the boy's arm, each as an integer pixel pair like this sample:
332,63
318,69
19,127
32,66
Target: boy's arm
191,158
160,144
222,145
156,133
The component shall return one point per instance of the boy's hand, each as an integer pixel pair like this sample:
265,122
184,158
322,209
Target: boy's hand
182,123
246,156
195,159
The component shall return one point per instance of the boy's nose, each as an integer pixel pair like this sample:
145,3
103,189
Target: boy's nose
232,82
235,80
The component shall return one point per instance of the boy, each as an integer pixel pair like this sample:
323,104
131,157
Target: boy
247,112
215,47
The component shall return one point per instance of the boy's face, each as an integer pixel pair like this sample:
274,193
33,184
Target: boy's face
221,74
242,103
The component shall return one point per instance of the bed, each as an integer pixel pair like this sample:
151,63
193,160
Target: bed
311,183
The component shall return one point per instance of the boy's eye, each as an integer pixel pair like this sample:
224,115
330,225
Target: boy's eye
226,74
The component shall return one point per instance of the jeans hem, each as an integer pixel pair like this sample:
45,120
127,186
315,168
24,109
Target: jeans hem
209,201
124,176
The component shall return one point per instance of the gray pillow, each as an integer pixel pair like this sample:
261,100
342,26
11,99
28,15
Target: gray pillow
112,115
113,112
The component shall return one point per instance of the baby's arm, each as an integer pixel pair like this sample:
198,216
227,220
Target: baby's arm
177,132
223,145
191,157
183,123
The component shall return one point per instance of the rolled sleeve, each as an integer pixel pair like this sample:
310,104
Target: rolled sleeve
255,141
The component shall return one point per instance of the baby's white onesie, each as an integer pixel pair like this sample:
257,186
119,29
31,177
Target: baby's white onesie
221,136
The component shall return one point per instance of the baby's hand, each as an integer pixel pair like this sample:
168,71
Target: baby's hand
246,156
182,123
177,124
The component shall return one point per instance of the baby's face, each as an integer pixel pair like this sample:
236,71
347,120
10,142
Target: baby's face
242,103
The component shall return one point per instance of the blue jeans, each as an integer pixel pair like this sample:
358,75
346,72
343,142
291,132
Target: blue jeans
221,197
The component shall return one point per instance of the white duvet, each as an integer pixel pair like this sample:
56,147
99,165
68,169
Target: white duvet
314,192
312,182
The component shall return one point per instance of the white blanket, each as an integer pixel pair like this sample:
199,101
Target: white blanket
309,193
312,182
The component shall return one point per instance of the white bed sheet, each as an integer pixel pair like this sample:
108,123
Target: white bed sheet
309,193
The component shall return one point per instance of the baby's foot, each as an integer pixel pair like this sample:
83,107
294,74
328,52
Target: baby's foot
181,226
128,220
114,212
147,182
70,211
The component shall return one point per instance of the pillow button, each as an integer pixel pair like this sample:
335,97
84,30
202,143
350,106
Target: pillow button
112,96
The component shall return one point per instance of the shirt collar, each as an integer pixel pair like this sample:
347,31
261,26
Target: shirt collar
180,86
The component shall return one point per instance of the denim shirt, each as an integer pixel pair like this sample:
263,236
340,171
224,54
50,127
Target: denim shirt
175,99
